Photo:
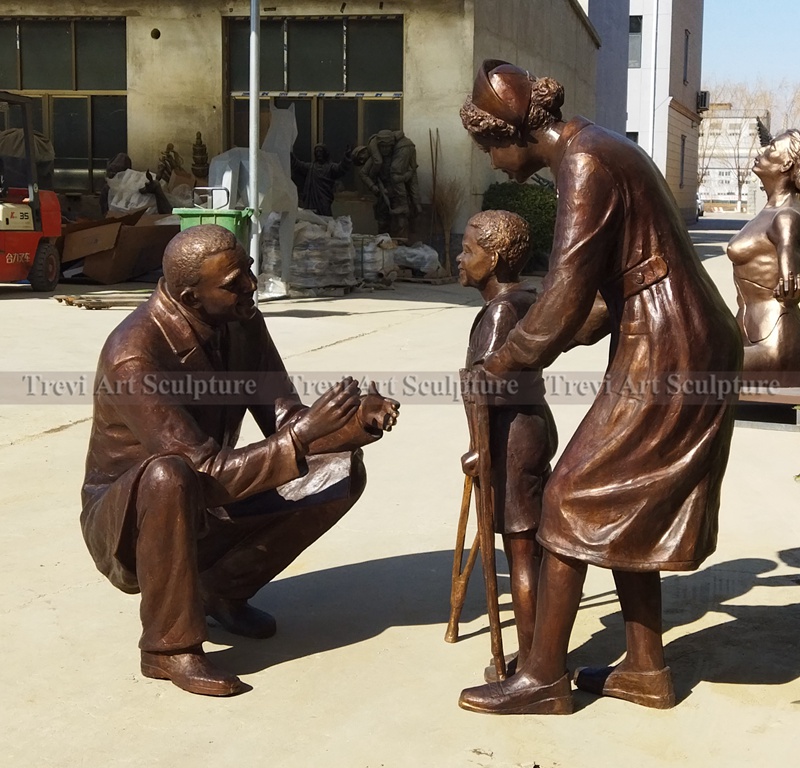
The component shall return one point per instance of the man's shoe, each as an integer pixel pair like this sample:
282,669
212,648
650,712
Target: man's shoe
240,618
192,671
517,697
649,689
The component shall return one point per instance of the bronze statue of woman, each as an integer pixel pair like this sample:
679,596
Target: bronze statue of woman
637,488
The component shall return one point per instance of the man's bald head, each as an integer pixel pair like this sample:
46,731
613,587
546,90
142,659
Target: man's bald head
189,249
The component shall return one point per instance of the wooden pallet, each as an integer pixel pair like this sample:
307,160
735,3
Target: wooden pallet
428,280
105,299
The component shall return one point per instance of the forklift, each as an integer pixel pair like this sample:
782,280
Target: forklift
30,218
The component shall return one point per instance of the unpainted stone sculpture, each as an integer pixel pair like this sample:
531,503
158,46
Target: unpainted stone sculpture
637,488
172,508
766,265
388,168
522,437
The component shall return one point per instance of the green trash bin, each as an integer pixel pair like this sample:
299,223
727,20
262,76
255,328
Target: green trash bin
236,221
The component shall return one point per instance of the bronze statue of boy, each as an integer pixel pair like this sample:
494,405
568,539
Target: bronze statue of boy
522,434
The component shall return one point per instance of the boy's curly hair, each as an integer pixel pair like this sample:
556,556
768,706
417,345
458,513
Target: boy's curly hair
505,235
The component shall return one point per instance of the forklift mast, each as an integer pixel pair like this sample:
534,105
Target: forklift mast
26,105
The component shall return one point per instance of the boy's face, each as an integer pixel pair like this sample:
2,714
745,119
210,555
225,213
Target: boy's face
475,265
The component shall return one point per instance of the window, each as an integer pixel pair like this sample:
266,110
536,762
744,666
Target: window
344,77
76,70
323,55
635,42
686,57
683,161
315,55
633,136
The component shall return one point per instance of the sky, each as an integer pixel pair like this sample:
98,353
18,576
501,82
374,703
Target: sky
748,40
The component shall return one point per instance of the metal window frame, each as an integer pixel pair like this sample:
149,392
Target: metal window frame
316,112
48,96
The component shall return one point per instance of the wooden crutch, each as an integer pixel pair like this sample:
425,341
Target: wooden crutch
476,406
460,579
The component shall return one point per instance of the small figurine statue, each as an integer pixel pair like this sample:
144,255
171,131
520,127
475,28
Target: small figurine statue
169,161
766,264
172,508
199,158
522,435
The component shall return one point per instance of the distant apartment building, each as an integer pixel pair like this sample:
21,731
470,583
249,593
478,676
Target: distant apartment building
729,142
664,54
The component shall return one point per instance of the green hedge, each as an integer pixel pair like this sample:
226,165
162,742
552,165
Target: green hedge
537,205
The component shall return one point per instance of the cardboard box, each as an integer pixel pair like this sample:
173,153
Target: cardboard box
88,237
116,250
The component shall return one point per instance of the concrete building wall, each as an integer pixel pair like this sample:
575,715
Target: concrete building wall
610,19
684,189
175,84
438,75
687,16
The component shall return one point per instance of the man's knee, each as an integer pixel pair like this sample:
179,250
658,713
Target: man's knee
168,477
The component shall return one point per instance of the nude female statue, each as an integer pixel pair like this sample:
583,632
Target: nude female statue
766,263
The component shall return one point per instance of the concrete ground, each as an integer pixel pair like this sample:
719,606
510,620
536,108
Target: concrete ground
359,675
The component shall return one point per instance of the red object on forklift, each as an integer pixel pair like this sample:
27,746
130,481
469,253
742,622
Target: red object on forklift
30,219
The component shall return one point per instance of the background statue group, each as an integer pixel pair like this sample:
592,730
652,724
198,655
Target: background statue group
174,509
387,165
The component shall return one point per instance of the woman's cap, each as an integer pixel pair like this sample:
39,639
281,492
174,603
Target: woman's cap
503,90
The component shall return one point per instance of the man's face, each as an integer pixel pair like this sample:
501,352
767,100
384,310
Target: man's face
475,265
319,154
385,148
225,290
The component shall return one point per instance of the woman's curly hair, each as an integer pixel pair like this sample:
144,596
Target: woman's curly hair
480,123
544,109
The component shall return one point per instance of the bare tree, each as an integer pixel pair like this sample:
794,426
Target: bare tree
782,99
706,148
729,133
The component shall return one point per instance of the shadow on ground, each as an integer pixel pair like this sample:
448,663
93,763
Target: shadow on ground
751,644
337,607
